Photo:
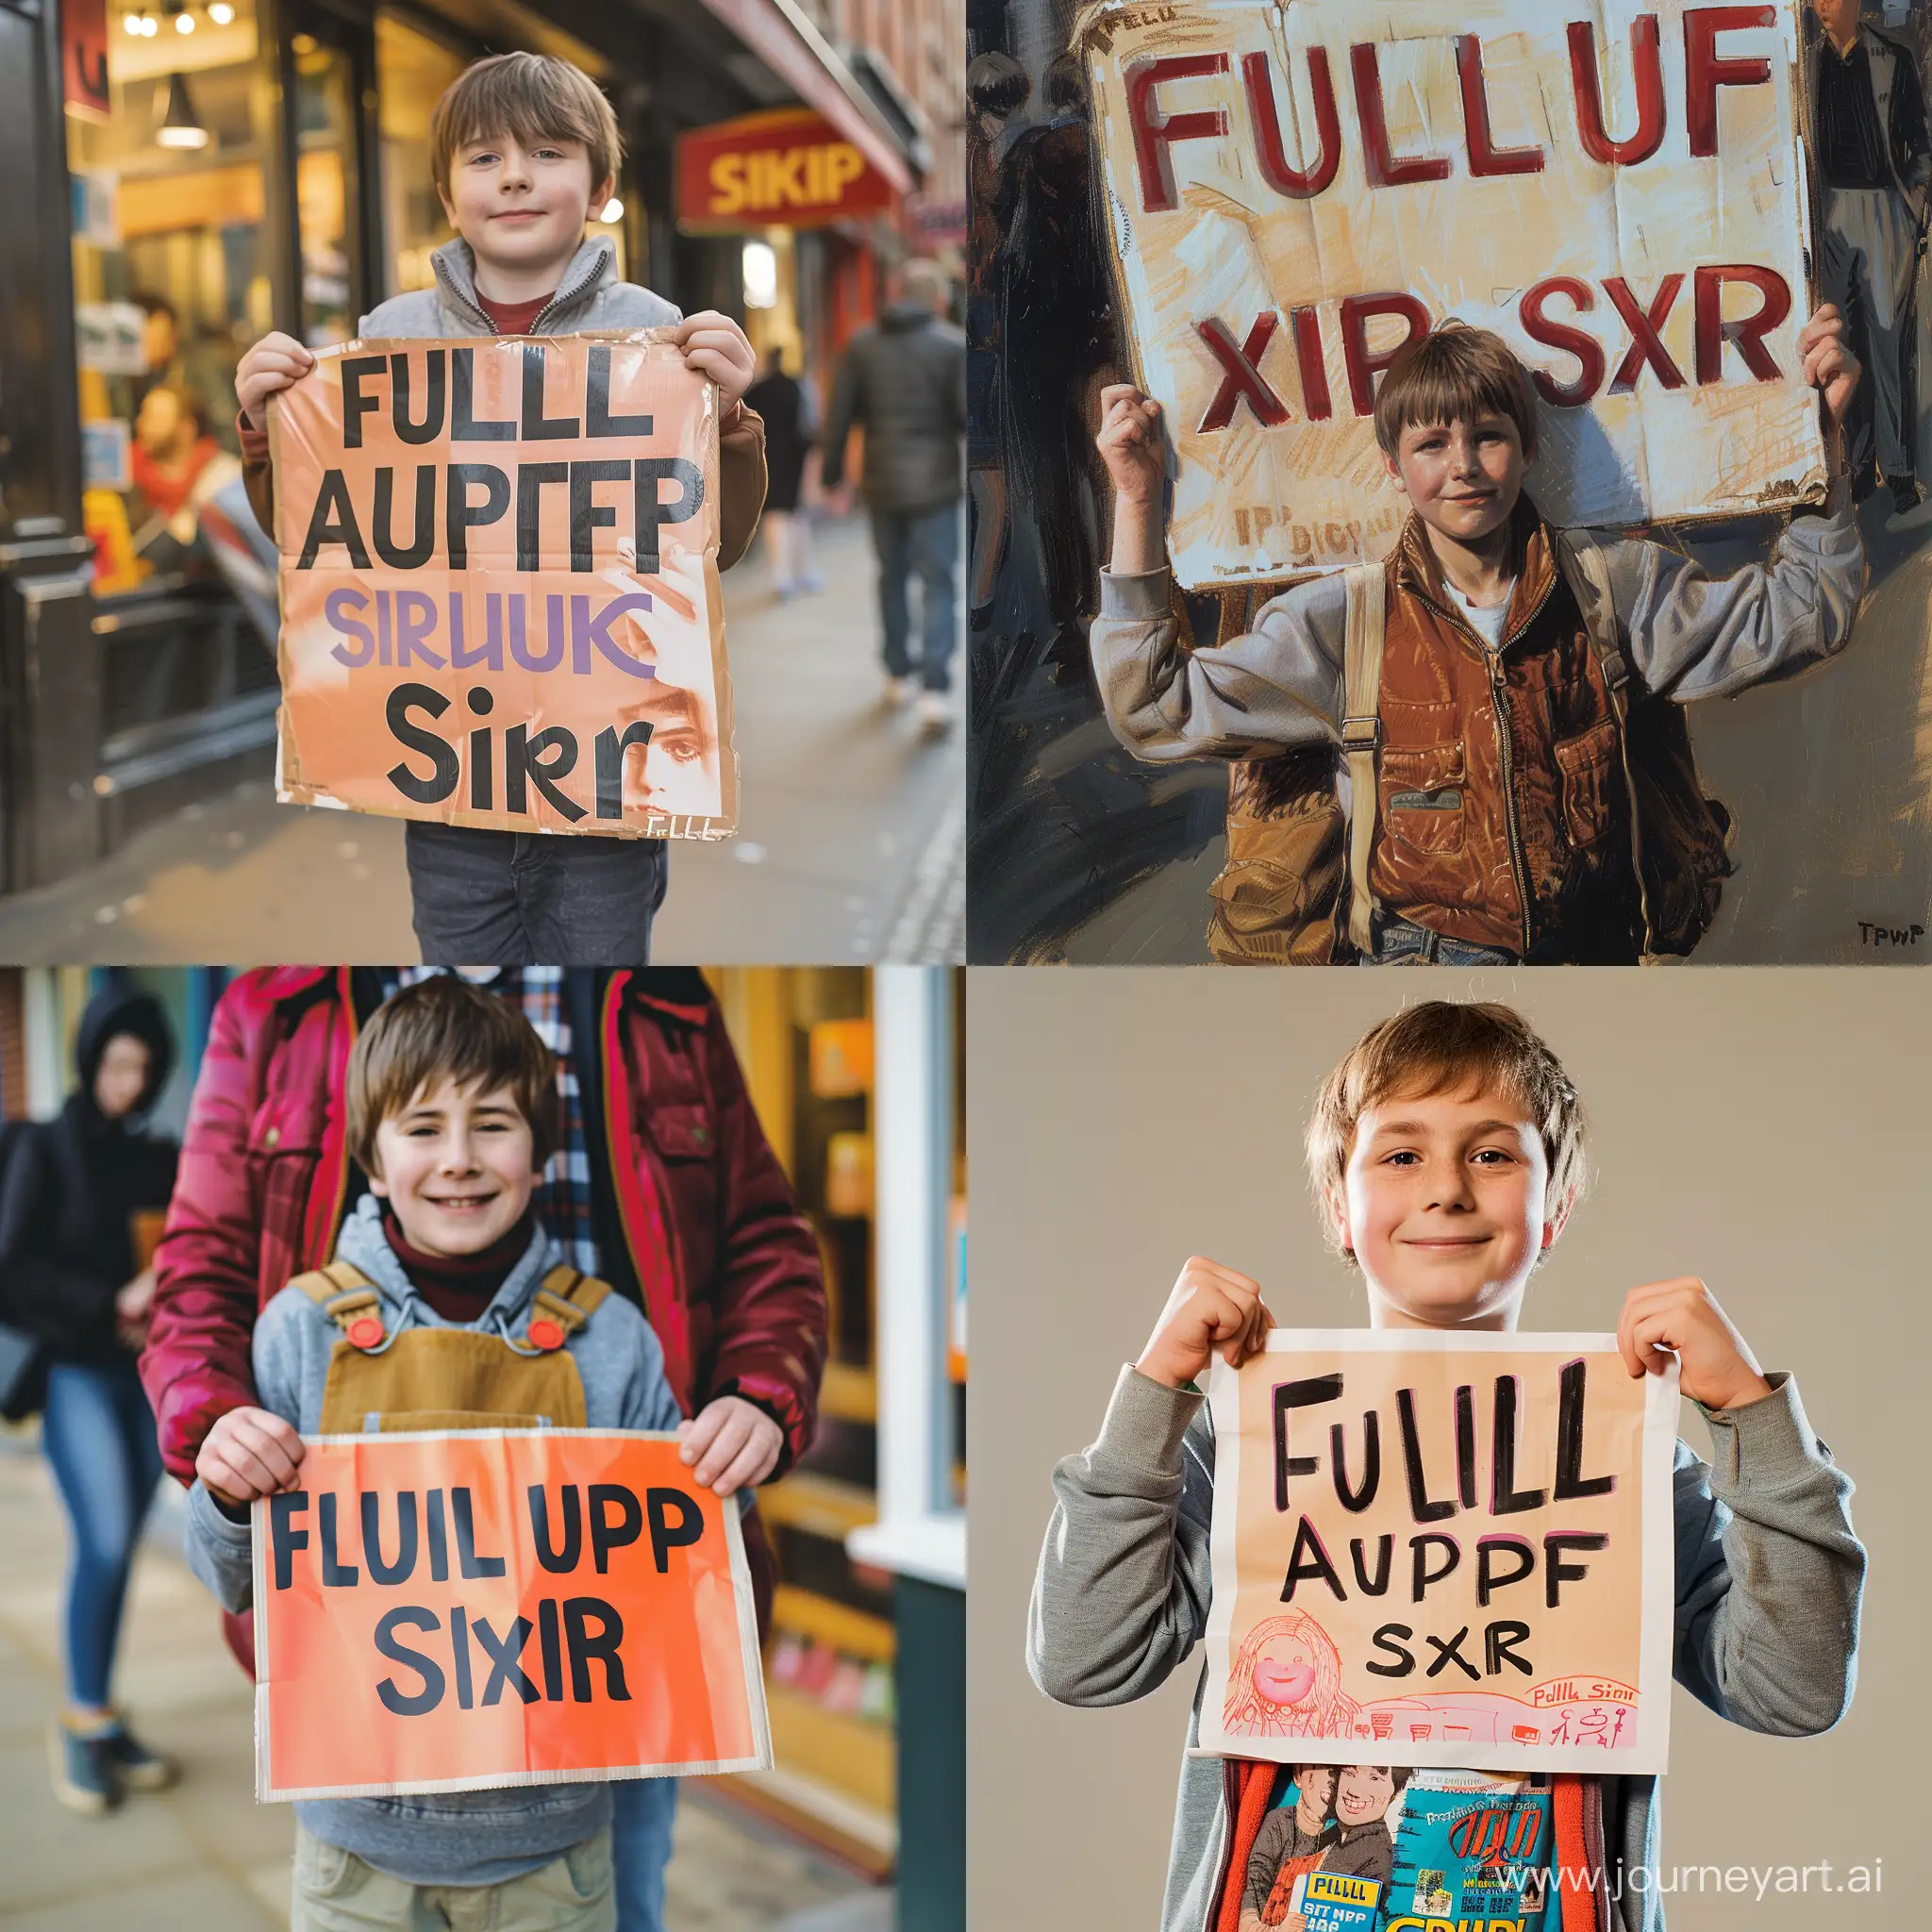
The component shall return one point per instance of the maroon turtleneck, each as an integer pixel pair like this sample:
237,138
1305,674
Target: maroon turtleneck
458,1287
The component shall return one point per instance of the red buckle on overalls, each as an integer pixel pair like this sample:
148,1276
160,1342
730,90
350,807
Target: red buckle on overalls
365,1332
545,1335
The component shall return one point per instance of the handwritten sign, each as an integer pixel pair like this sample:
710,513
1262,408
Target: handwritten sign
455,1610
1615,187
499,586
1441,1550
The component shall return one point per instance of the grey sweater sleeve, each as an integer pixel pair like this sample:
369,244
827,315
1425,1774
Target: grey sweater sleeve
1279,686
1121,1593
1695,636
1768,1571
218,1551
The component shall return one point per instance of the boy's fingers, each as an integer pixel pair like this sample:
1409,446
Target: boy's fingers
725,1449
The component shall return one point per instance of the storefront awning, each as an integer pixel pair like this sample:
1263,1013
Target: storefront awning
789,44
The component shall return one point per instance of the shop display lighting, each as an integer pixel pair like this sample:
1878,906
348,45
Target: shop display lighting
761,276
221,13
142,25
182,126
613,210
184,21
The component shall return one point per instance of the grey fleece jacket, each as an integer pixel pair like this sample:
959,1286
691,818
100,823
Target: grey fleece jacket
1768,1581
443,1838
1688,635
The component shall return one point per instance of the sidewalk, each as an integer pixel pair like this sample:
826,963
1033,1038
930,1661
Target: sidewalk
204,1856
851,848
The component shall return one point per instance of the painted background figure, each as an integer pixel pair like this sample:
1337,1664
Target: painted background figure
1873,160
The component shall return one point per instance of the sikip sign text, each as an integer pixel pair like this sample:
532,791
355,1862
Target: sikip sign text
787,168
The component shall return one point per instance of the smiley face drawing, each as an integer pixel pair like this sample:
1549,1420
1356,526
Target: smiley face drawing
1286,1681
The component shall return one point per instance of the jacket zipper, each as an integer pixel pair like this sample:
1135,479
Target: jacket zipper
1499,702
563,298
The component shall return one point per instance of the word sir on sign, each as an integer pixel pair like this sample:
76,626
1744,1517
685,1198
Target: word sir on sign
1707,69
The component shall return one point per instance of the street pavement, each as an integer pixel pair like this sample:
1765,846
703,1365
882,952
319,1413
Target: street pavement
851,846
204,1856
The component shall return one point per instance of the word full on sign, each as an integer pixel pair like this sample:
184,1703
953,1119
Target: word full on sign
500,598
432,1609
1298,193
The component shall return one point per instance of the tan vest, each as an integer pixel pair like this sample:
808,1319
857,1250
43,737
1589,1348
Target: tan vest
449,1379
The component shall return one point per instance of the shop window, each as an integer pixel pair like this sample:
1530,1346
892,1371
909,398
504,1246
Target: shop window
411,73
325,189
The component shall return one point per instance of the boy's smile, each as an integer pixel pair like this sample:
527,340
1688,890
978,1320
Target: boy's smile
1443,1208
456,1167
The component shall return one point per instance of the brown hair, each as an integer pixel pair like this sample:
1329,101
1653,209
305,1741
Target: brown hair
1453,373
530,96
1438,1048
442,1029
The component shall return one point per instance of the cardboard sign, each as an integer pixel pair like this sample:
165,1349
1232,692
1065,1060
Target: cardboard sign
1441,1550
1615,187
499,586
451,1611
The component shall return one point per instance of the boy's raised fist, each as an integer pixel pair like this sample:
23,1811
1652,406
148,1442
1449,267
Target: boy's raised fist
274,363
249,1453
1212,1306
1681,1317
1132,443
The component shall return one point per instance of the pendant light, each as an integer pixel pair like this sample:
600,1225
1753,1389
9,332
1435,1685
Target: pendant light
182,127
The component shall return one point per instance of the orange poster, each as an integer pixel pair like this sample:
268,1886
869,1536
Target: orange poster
499,586
452,1610
1441,1550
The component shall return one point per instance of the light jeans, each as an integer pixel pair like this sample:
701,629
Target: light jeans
337,1891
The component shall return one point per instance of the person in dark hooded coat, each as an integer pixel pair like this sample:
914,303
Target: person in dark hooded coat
69,1199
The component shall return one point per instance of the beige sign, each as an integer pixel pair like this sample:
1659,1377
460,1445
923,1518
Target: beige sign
1447,1549
499,586
1616,187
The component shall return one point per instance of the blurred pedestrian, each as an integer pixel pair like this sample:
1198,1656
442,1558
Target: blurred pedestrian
904,382
71,1277
662,1184
791,415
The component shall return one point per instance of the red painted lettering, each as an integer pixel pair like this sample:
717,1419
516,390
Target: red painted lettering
1706,71
1156,132
1242,377
1646,61
1364,366
1485,156
1556,335
1316,404
1747,335
1300,184
1646,344
1385,168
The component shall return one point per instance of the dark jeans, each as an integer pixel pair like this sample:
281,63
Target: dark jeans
532,899
1400,942
99,1437
926,544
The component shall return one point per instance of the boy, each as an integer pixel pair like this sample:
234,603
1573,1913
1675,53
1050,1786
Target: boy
1519,785
452,1111
1447,1152
524,151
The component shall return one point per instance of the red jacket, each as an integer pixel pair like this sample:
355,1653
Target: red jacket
728,1267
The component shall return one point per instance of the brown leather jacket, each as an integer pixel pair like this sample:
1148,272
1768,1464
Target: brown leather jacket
1502,808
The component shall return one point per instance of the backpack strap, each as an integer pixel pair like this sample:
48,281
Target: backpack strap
568,1297
1587,571
1366,586
348,1298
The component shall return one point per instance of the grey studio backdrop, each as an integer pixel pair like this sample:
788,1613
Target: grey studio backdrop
1766,1129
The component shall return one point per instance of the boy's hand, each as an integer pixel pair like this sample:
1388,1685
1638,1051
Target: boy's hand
274,363
1131,444
249,1453
1828,364
1212,1306
714,345
734,1443
1682,1318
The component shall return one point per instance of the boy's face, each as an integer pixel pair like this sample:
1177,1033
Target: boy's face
522,208
1363,1793
456,1166
1315,1784
1443,1204
1464,479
